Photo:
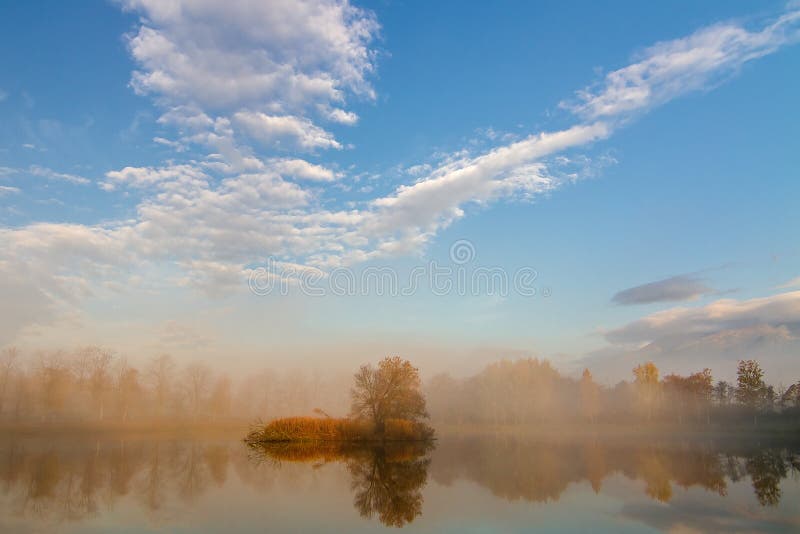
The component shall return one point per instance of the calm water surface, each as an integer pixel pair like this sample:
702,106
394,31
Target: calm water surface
475,484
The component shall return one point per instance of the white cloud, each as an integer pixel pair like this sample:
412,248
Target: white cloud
273,130
726,314
177,146
341,116
419,169
673,68
506,171
794,282
300,168
3,95
273,63
44,172
5,190
141,177
234,54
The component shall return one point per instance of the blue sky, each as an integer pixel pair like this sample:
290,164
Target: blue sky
154,156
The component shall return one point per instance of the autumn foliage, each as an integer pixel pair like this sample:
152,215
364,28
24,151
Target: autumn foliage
310,429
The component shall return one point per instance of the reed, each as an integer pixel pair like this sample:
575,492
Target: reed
293,429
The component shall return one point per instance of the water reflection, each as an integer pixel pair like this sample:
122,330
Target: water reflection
540,471
386,480
76,480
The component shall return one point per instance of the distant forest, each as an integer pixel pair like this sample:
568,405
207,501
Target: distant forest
530,391
96,385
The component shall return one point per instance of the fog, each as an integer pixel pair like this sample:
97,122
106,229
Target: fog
96,385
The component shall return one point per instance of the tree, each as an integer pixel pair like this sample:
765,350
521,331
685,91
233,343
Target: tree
159,376
8,362
198,378
646,381
590,396
700,387
127,388
53,379
722,393
392,391
677,390
99,377
750,385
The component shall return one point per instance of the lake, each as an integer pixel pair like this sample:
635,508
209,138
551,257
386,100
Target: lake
492,483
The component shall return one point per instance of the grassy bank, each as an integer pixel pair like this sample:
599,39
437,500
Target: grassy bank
310,429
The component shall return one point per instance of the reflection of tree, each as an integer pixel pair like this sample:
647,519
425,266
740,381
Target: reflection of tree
217,458
192,476
44,481
387,480
389,484
595,462
151,489
766,469
653,470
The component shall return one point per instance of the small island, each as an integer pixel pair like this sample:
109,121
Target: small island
387,406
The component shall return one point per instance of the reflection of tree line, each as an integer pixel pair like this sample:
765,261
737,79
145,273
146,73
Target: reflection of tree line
73,481
514,469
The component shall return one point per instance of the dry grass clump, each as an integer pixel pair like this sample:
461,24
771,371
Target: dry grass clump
291,429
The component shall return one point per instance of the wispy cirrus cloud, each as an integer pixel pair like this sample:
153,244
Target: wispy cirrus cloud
47,173
794,282
670,69
7,189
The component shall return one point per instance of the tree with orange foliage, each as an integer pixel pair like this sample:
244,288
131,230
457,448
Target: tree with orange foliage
390,391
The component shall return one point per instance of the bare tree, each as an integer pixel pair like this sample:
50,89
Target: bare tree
127,387
197,378
100,381
159,376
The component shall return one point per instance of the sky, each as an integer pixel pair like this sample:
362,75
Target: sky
323,182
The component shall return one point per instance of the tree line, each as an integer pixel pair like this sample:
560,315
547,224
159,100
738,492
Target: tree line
530,391
94,383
